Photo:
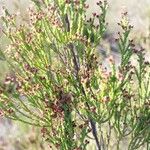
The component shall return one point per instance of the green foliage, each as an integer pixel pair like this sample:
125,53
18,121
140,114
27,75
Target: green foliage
60,85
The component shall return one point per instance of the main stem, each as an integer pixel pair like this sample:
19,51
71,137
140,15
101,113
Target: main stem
76,66
92,123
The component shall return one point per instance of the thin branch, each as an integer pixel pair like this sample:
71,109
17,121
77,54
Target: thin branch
92,123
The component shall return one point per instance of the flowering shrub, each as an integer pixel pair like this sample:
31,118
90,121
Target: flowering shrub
59,84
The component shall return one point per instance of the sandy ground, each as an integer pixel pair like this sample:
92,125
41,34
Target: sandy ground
139,11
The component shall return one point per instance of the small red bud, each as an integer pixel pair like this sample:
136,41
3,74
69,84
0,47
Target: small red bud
94,14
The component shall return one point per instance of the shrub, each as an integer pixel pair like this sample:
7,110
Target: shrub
59,83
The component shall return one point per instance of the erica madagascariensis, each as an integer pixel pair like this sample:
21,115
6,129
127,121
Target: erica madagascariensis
59,84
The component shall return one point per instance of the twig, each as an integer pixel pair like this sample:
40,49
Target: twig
92,123
76,66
